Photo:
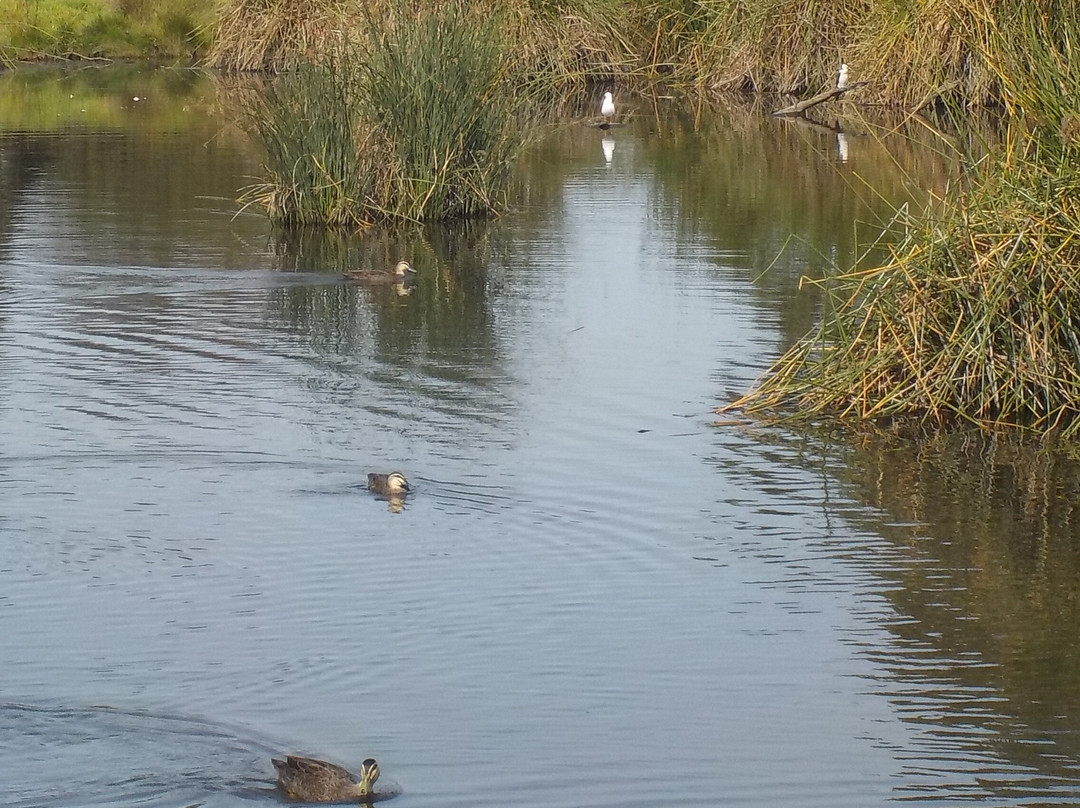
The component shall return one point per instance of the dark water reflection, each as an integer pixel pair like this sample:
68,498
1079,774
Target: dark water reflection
595,597
992,529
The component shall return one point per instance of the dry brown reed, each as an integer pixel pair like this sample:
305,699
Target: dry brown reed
911,54
275,35
571,44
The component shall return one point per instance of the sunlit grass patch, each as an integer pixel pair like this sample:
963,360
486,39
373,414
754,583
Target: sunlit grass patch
104,28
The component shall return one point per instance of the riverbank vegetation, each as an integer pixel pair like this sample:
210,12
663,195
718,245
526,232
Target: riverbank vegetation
115,29
911,54
976,317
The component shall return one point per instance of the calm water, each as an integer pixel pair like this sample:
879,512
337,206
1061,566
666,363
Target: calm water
595,597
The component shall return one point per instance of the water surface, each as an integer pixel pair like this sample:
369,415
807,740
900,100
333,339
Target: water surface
595,597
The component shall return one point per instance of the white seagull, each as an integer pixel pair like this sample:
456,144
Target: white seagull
842,80
607,106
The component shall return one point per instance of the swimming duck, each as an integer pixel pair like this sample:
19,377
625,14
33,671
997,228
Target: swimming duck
396,275
392,484
310,780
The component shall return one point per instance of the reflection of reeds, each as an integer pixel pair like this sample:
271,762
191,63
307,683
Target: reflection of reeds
421,123
984,565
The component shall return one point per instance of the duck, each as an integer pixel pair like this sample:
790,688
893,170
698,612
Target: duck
310,780
392,484
398,274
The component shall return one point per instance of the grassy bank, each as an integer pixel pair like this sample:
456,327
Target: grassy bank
976,319
105,28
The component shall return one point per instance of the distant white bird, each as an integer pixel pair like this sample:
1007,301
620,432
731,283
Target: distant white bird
607,106
842,79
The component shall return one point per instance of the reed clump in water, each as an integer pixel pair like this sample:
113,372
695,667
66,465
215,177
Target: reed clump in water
976,317
321,163
420,124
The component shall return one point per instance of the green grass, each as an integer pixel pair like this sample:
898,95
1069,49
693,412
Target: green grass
104,28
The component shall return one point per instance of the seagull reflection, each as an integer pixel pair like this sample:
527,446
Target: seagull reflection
608,145
842,147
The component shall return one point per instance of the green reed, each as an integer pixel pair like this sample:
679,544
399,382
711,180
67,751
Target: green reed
436,85
421,123
322,164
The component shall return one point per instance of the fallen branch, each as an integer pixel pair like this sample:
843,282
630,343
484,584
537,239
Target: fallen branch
820,98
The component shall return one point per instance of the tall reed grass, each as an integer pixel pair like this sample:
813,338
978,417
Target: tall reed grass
419,123
976,317
912,54
323,165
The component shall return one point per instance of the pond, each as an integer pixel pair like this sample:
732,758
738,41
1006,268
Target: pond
594,596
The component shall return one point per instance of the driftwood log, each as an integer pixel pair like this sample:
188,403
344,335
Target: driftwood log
820,98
